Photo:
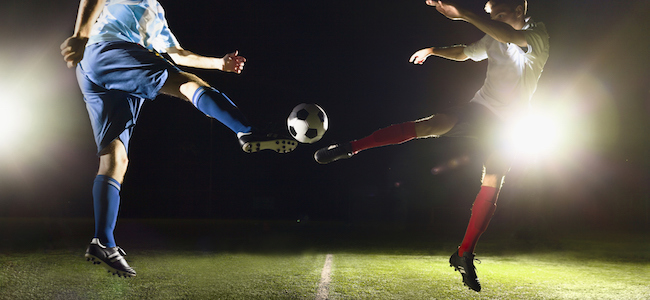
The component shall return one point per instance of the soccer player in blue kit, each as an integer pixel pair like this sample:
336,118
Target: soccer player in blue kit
118,48
516,49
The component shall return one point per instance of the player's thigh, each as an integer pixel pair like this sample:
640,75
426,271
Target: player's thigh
113,114
182,85
435,125
126,67
498,163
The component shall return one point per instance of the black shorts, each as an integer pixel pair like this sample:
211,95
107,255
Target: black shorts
478,122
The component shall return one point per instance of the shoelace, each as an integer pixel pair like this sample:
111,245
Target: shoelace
476,260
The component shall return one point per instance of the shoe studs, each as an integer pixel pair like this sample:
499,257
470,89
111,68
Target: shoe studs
280,146
92,259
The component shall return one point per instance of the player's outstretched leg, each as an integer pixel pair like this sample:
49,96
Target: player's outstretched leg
217,105
110,258
465,265
391,135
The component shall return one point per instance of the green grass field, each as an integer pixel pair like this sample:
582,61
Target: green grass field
178,259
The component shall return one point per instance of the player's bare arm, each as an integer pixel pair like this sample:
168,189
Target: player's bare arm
231,62
503,25
73,47
453,53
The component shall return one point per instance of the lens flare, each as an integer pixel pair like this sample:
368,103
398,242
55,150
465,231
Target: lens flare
536,134
15,121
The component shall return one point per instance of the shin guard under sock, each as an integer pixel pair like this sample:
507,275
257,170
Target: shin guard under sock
391,135
106,203
217,105
482,212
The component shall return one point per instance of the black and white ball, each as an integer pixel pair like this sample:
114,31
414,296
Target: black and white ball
307,123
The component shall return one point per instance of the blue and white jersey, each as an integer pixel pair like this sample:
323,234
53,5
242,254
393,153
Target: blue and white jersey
138,21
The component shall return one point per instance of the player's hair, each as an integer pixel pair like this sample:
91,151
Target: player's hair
510,3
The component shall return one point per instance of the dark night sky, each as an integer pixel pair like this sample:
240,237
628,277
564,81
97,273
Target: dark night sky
350,57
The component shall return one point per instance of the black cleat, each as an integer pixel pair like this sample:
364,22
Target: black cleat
465,265
333,153
253,142
112,258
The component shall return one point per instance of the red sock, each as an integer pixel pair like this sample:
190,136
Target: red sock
391,135
482,211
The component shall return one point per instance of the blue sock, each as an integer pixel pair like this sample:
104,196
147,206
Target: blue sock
106,202
217,105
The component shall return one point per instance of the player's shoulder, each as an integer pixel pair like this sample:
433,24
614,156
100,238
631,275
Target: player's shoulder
537,39
535,31
535,26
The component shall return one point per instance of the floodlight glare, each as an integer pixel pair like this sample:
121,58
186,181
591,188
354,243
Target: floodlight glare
14,122
536,134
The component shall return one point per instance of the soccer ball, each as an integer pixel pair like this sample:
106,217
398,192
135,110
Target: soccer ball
307,123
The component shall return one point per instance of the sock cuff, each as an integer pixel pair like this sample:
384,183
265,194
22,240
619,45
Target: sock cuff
488,189
197,94
488,194
202,90
111,181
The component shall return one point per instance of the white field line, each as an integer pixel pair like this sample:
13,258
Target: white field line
324,285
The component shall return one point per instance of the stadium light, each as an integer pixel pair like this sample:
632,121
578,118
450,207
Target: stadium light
15,120
34,107
535,134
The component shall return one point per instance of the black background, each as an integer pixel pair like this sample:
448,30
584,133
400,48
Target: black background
350,57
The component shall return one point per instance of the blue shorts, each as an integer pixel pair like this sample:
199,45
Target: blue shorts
115,79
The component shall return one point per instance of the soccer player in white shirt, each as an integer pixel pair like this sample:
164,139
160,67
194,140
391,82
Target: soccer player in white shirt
516,49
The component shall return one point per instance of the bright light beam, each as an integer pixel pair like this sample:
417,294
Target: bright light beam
536,134
15,120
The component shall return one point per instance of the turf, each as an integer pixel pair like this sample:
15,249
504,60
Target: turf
178,275
206,259
542,276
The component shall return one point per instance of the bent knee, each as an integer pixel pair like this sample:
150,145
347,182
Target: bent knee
492,180
497,164
435,125
182,85
114,160
122,160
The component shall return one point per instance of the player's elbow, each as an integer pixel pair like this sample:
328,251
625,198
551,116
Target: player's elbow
181,57
460,56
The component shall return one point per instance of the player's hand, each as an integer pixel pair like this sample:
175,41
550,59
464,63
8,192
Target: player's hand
232,62
72,50
420,56
447,9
